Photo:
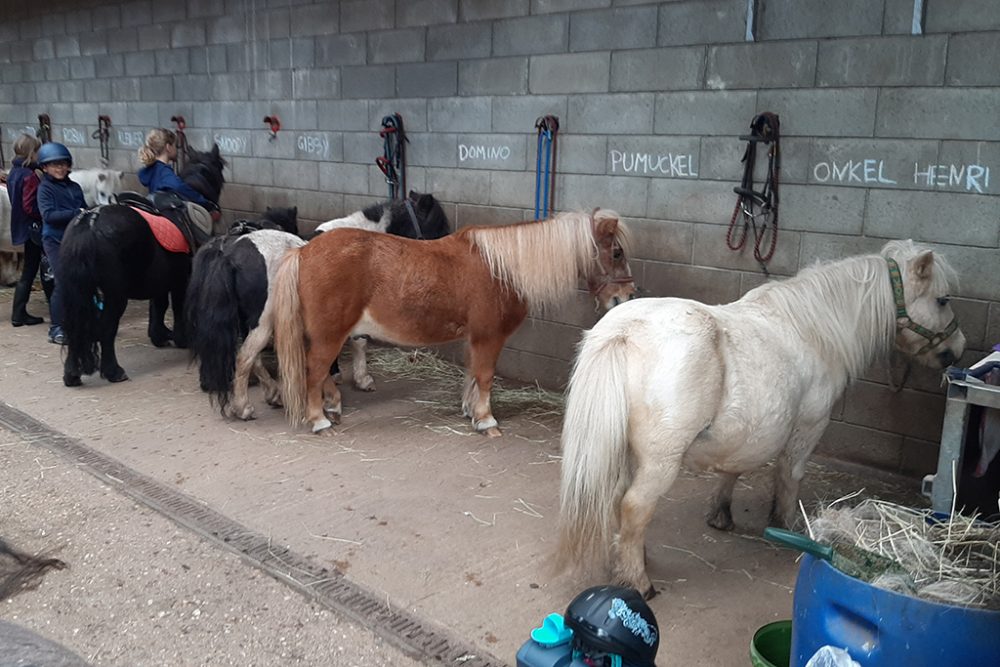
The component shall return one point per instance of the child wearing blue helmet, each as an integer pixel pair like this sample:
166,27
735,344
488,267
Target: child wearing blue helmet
59,201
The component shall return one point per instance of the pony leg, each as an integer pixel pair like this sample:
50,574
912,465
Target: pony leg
720,513
246,361
638,503
362,380
789,470
158,332
483,357
332,400
114,308
177,296
272,393
319,382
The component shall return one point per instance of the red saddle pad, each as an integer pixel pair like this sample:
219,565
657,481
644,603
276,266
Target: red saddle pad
167,235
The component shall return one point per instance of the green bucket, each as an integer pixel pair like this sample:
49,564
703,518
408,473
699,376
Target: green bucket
772,645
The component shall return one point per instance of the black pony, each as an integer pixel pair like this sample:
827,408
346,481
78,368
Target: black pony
228,297
109,256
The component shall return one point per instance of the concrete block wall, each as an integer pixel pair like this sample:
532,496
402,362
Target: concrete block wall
886,134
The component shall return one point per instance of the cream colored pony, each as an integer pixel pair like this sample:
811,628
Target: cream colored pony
663,382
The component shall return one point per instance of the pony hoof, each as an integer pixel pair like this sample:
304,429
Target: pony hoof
118,375
721,521
492,432
275,402
649,593
366,384
245,414
337,377
72,380
160,342
321,426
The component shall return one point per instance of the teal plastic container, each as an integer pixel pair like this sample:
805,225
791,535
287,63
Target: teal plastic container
880,628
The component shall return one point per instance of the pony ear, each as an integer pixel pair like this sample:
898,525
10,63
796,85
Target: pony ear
121,174
215,150
425,201
922,266
295,211
606,227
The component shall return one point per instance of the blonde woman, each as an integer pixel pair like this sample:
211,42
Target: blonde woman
156,154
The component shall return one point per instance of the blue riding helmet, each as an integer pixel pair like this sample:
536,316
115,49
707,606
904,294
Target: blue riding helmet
54,152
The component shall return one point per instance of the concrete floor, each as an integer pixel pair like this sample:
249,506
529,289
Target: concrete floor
451,526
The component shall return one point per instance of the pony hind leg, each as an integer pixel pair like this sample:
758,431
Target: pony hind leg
636,511
720,513
247,361
483,355
159,334
359,362
322,395
111,316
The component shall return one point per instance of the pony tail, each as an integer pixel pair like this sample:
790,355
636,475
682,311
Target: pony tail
211,313
595,466
290,336
81,257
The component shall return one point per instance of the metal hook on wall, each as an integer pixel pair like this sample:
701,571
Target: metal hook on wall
274,123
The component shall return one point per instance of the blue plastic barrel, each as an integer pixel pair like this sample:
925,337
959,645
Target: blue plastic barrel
880,628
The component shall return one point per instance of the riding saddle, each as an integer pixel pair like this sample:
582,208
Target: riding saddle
174,208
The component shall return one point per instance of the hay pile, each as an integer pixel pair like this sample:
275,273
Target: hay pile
445,382
954,561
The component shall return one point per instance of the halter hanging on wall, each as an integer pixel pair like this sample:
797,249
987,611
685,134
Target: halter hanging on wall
392,162
103,136
548,133
758,209
44,132
182,142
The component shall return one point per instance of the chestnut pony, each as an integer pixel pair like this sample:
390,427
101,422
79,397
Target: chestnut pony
477,284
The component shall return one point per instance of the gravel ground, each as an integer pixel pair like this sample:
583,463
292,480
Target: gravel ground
140,590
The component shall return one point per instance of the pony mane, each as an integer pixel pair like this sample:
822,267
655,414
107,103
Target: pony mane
542,261
845,307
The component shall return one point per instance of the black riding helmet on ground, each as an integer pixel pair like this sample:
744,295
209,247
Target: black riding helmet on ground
614,620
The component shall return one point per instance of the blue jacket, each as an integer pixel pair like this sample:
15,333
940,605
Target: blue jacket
158,177
23,220
58,202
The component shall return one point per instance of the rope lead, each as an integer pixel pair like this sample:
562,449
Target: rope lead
548,132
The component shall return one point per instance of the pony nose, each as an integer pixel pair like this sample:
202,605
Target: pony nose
947,358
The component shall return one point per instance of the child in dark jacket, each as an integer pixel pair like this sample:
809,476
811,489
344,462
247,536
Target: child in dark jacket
59,201
25,224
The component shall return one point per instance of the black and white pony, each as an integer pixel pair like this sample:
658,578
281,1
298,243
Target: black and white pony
228,300
419,216
110,255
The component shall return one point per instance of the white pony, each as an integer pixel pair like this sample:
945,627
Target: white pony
663,382
98,185
10,255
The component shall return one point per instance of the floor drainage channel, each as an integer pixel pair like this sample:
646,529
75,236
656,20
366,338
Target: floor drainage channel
332,589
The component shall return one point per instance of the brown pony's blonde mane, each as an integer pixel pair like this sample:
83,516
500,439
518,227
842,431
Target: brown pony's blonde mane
543,261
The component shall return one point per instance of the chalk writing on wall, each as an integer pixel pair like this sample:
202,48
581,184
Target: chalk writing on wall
231,143
74,136
14,132
852,171
971,177
467,152
968,177
676,165
314,145
131,138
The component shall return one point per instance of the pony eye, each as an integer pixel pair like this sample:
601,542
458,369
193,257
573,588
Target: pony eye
618,253
943,300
